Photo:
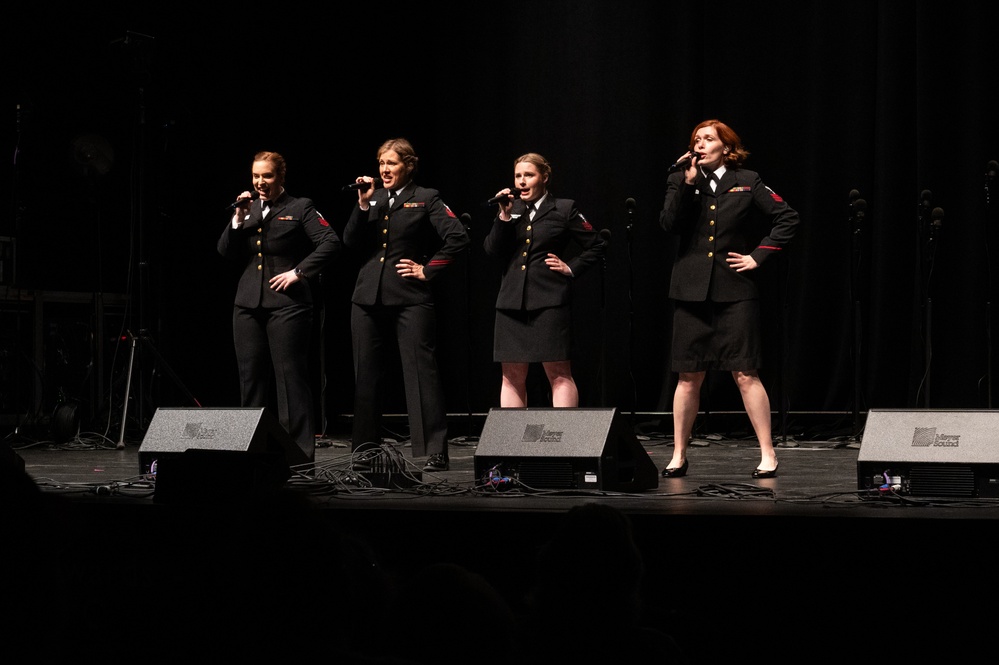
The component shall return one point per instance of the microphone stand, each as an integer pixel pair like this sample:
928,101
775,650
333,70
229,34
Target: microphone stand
782,407
319,309
924,239
629,231
604,400
928,350
857,211
466,220
9,277
137,46
928,342
147,344
990,174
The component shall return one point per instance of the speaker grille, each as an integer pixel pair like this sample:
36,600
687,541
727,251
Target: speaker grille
942,480
547,473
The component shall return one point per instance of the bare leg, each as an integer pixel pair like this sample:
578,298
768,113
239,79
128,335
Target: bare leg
513,392
686,401
757,403
564,392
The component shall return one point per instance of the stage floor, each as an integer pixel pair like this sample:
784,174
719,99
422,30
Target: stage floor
815,477
804,567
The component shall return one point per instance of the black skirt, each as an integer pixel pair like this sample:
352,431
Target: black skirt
716,336
541,335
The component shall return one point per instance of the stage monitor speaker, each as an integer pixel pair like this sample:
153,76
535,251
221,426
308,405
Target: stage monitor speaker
202,452
930,452
560,448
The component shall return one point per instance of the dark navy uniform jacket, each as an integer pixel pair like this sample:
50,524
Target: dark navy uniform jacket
293,235
418,226
523,245
743,215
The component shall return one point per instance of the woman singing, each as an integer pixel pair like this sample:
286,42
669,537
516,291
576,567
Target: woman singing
405,236
284,244
530,236
712,204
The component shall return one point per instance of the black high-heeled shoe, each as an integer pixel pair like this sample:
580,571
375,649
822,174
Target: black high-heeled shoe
760,473
677,471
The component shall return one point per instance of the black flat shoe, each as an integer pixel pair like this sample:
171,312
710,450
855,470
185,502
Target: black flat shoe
760,473
677,471
437,463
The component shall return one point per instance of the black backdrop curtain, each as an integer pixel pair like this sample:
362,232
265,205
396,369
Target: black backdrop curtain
885,98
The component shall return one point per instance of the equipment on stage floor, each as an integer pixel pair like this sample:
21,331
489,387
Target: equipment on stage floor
202,451
561,448
930,452
381,465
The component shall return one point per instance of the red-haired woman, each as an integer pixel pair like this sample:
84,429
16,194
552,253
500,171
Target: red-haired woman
711,202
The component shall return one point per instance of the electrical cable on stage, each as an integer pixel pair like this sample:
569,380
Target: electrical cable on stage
735,490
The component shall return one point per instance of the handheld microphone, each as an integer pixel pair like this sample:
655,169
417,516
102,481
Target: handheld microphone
630,204
605,235
362,186
681,164
238,202
501,197
466,219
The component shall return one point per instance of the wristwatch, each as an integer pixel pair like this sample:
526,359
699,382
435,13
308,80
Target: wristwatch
299,273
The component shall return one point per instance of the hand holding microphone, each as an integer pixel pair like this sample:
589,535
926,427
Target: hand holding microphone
504,197
244,200
365,186
685,162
